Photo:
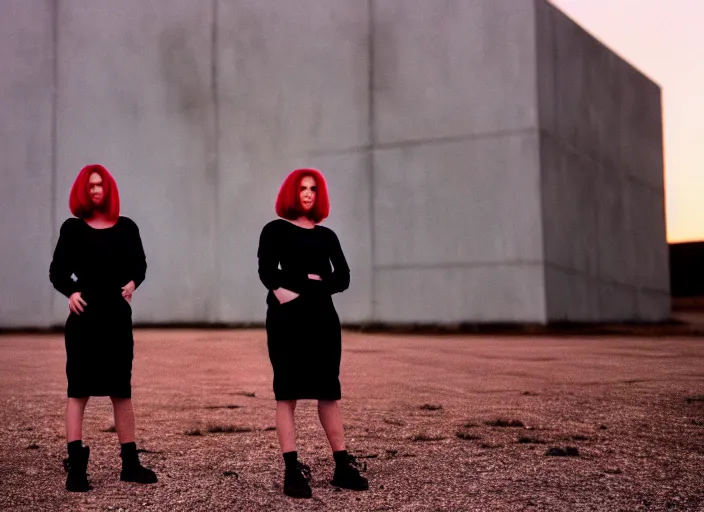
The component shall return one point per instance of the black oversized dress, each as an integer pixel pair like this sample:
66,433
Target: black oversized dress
303,335
99,344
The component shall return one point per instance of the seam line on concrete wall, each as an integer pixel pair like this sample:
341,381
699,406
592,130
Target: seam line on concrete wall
424,142
547,314
459,265
601,280
370,154
54,113
215,158
601,166
455,138
341,152
54,142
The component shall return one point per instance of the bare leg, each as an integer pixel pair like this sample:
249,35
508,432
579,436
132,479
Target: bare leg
124,419
331,419
285,425
75,407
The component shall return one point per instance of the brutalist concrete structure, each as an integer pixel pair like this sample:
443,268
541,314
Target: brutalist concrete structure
488,160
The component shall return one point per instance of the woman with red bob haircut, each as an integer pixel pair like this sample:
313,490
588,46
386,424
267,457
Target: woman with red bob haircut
81,201
98,264
302,265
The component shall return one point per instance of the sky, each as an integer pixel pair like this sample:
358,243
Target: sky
665,40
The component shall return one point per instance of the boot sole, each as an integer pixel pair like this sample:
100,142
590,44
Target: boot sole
298,497
78,489
365,488
306,496
138,481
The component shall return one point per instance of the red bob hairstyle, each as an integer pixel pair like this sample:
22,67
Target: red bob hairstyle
288,202
80,202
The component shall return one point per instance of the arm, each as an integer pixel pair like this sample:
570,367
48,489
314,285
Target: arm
60,270
138,260
269,272
339,280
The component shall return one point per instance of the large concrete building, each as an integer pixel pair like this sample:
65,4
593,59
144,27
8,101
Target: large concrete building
488,160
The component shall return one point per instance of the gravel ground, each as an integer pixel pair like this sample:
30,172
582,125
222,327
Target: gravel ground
442,422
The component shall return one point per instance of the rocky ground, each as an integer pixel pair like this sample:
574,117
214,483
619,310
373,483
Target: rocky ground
443,423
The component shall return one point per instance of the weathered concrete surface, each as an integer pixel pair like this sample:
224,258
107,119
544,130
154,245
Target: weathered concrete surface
457,231
602,179
453,69
293,91
622,402
26,90
488,160
456,163
135,94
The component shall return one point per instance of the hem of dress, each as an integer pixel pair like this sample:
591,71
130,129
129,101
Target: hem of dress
112,395
309,397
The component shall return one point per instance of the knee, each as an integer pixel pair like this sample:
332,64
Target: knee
117,400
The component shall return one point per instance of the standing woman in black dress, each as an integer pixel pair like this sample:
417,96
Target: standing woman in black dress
303,329
98,263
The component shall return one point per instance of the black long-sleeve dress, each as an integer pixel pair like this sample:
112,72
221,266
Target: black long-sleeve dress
303,335
99,343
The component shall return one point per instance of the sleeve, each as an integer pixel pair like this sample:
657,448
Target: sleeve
339,280
138,260
269,272
61,267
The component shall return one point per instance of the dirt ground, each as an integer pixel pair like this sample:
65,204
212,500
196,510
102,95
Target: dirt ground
420,411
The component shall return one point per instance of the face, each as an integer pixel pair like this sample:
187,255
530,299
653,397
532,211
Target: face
95,189
307,193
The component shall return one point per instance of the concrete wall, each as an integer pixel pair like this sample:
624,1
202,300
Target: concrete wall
292,90
602,179
135,94
26,97
457,235
471,179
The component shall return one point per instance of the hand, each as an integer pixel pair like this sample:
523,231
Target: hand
283,295
127,291
315,277
76,303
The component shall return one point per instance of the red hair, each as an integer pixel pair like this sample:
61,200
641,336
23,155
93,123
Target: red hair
80,202
288,202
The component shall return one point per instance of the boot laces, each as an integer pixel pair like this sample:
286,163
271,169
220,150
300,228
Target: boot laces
352,461
304,469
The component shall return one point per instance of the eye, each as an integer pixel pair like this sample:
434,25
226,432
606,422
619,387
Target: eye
314,188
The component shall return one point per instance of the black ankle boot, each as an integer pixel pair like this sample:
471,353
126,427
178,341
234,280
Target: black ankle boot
77,465
347,474
296,481
132,470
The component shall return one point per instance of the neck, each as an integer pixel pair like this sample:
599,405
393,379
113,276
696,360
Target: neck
97,215
304,222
